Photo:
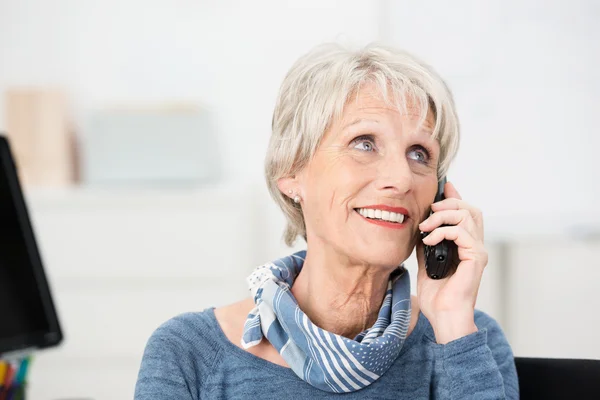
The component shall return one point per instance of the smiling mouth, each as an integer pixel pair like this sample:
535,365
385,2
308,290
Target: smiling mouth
382,216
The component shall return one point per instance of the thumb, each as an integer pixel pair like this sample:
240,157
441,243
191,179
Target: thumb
450,191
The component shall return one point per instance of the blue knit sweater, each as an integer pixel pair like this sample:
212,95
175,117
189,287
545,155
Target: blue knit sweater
189,357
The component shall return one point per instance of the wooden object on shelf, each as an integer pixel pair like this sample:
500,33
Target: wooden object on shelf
38,130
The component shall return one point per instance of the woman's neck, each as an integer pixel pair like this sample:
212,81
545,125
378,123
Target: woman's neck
340,296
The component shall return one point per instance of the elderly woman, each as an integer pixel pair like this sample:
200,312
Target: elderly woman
360,141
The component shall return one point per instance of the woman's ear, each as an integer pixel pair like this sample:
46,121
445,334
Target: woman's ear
288,186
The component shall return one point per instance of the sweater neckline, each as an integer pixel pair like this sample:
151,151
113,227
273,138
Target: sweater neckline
256,361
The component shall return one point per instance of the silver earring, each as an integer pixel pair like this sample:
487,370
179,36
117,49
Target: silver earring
296,199
290,191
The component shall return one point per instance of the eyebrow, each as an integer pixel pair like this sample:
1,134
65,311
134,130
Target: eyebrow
424,129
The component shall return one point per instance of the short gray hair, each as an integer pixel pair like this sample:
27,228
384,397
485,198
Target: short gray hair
313,95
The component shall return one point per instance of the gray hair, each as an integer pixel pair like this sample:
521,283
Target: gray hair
313,95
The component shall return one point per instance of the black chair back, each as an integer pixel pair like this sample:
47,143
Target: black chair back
553,378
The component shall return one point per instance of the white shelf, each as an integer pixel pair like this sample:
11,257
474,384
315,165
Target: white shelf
511,227
122,197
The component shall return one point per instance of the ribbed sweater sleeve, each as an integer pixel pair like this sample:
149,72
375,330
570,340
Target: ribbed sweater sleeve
477,366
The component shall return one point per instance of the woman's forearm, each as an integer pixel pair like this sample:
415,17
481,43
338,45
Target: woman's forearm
467,368
452,326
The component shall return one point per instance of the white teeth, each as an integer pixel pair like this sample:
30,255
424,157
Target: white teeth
380,214
400,218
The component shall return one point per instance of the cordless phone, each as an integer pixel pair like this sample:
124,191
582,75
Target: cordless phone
442,259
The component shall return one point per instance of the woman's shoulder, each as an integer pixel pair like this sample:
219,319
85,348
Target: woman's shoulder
494,333
188,333
203,331
187,324
496,339
178,355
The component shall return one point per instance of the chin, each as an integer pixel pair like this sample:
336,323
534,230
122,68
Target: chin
384,256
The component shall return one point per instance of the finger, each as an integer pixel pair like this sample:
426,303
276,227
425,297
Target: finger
456,204
473,261
470,272
457,234
448,217
450,191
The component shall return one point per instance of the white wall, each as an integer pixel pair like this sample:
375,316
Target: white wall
525,75
526,79
229,55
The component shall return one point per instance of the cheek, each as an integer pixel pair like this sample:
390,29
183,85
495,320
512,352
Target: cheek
343,179
426,198
334,181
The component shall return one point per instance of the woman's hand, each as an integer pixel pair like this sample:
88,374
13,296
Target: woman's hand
449,303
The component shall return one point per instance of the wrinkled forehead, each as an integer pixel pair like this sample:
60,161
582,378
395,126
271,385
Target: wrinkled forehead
372,98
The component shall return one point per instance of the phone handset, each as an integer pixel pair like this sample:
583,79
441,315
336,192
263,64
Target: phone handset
442,259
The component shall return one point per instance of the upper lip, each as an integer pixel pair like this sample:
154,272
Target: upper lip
383,207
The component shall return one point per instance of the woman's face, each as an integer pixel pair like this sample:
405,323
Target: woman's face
372,162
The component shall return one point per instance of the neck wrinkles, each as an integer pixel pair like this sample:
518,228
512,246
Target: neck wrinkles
338,296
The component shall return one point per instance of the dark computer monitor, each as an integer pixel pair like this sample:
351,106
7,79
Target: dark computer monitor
28,318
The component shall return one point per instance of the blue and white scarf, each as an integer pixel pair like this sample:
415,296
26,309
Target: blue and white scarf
325,360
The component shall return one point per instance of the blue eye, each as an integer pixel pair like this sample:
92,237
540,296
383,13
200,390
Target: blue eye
364,143
420,150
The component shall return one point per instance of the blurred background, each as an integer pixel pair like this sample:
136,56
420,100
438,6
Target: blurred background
140,129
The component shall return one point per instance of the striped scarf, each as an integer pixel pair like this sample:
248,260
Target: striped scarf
325,360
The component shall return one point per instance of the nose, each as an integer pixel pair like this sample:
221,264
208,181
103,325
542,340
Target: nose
395,175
